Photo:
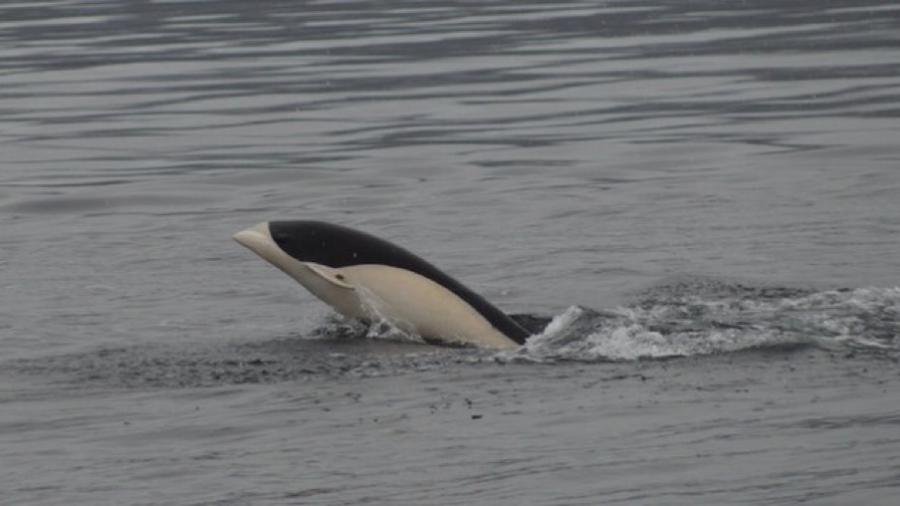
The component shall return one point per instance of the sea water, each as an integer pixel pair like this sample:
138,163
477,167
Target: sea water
693,206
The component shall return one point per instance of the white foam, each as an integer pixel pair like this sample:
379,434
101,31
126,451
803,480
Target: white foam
689,324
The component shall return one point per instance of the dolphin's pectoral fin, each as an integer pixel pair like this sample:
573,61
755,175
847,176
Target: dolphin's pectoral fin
333,276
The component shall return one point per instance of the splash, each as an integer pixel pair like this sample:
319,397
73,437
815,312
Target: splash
694,318
702,318
380,325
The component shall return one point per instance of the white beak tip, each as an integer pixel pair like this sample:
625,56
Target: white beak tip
253,235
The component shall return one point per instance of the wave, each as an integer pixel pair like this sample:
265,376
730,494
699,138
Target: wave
682,319
708,317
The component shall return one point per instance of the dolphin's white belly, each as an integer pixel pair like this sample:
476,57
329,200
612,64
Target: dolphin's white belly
416,304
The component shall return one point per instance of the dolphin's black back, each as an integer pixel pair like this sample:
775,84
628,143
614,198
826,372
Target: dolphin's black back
337,246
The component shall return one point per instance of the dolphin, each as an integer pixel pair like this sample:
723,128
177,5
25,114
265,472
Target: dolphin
362,276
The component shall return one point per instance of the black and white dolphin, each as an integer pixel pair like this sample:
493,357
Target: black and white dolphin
364,277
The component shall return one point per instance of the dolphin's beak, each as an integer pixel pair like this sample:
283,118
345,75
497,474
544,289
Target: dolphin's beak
256,238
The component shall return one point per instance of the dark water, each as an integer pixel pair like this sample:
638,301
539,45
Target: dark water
693,204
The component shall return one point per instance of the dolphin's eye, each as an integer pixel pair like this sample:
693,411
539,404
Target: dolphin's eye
340,277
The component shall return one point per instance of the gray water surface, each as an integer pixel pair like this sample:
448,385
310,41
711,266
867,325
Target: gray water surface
693,203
